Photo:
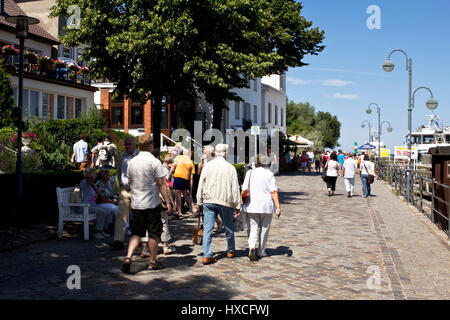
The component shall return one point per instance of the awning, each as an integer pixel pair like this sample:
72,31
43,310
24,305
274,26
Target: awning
301,141
367,146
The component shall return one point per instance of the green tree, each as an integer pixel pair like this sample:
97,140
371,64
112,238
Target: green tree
9,112
321,128
183,48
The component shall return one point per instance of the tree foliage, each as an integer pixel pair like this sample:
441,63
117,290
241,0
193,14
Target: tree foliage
181,48
9,112
321,128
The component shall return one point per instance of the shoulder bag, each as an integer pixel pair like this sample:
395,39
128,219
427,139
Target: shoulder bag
371,178
245,195
197,234
324,173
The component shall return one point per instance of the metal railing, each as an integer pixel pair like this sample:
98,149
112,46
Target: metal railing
428,195
3,148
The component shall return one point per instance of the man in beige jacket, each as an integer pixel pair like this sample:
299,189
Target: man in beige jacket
219,193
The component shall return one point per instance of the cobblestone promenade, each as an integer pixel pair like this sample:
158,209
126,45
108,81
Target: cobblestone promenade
321,248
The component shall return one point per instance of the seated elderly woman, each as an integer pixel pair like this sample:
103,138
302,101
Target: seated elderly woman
90,194
109,199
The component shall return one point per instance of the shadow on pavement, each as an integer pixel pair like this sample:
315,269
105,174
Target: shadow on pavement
279,251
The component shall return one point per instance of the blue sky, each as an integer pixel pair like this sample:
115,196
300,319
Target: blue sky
347,76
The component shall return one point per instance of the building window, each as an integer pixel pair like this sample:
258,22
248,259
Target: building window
61,107
44,105
117,116
282,117
77,107
34,103
237,110
255,114
270,113
255,85
247,111
137,116
25,110
276,115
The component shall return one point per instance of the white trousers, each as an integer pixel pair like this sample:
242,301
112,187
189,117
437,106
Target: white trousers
349,184
259,230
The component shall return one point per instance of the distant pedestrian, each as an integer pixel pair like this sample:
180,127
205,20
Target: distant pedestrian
304,161
341,158
332,168
218,192
94,153
366,167
106,154
80,153
318,160
349,170
183,178
122,187
262,205
147,181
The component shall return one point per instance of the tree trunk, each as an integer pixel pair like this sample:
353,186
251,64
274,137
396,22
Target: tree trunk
217,115
156,123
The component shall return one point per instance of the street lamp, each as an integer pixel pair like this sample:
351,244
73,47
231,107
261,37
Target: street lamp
370,130
388,66
369,111
22,22
431,104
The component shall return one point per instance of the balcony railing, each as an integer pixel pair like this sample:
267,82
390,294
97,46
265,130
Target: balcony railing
46,70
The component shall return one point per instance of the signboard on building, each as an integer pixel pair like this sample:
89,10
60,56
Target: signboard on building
255,130
402,153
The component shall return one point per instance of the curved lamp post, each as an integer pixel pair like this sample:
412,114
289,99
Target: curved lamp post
369,111
370,129
432,104
22,22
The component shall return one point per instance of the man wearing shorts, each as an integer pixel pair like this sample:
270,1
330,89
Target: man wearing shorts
146,180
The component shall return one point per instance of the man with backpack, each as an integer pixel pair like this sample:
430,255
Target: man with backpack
106,154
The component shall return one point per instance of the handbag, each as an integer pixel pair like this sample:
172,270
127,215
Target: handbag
245,195
324,173
197,234
371,178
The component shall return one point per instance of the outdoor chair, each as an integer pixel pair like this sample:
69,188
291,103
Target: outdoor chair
68,211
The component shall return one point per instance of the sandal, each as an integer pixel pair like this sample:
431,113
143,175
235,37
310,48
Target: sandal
126,266
155,266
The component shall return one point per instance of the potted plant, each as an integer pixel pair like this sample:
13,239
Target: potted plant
60,63
84,70
9,49
30,56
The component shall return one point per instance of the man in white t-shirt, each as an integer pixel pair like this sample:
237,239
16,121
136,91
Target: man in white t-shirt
349,171
146,181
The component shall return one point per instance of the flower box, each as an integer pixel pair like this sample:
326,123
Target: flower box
30,56
60,63
84,70
9,49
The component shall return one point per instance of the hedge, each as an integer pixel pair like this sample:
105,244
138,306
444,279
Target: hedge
39,204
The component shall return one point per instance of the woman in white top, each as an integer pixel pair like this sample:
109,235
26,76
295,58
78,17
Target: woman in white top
332,168
262,205
366,167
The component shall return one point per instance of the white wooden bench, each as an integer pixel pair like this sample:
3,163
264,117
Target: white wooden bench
68,211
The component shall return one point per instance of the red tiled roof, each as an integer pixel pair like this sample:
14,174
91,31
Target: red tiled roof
34,31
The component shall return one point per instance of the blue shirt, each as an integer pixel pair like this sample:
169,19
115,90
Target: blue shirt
341,158
81,151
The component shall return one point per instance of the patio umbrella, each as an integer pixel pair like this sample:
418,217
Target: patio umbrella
367,146
301,141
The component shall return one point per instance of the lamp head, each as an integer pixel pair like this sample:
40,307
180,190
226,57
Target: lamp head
369,111
388,65
363,126
389,129
432,103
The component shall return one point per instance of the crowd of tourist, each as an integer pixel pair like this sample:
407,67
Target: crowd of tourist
146,193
